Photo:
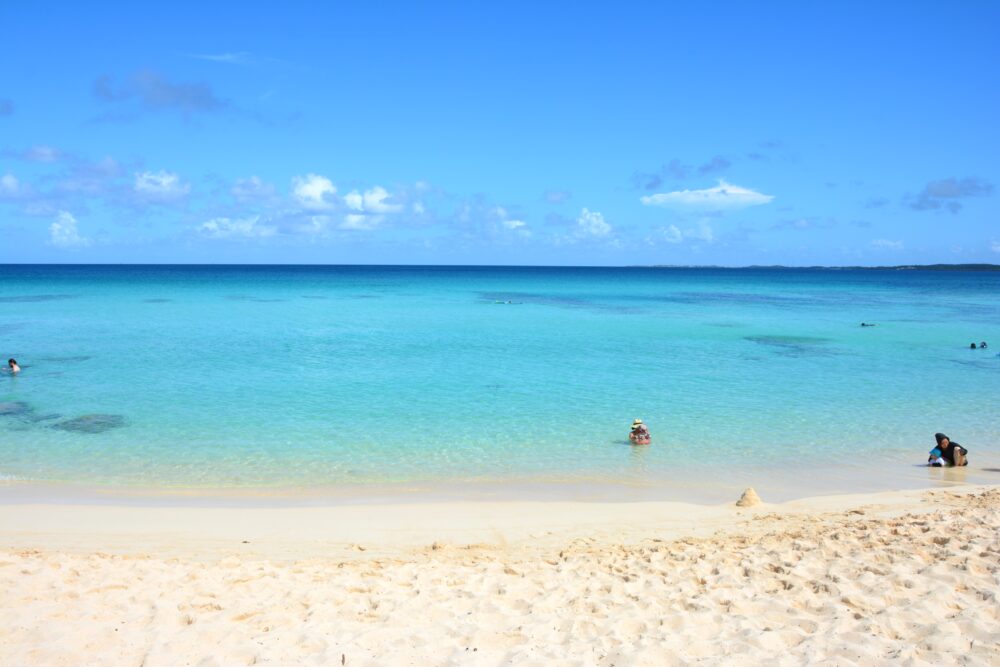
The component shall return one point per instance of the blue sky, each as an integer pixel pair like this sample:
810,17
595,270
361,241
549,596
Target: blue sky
727,133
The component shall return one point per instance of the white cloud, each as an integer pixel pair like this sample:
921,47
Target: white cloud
519,227
64,234
9,186
311,191
592,223
671,234
995,246
161,185
887,244
228,228
724,195
372,201
674,234
360,221
252,189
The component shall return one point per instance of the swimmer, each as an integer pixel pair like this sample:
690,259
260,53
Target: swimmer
972,346
639,434
12,365
983,346
868,324
947,453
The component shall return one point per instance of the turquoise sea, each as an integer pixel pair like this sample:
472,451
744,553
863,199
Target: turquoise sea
337,379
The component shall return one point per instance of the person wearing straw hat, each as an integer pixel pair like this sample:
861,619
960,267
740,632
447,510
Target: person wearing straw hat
639,435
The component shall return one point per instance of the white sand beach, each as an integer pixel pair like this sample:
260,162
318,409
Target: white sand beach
906,577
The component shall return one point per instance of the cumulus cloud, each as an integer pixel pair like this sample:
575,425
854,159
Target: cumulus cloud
995,246
63,233
368,209
160,186
371,201
702,231
722,196
592,224
947,192
155,93
886,244
671,234
229,228
313,192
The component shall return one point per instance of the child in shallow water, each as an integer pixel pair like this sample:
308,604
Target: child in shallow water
947,453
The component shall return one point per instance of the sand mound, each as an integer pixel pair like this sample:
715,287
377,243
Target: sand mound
749,498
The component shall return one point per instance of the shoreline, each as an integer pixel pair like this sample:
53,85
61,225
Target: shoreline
704,487
292,531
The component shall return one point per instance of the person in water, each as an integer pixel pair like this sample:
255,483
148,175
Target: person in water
639,435
972,346
12,365
982,346
947,453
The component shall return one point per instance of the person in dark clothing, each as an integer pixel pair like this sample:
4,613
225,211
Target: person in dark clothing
947,453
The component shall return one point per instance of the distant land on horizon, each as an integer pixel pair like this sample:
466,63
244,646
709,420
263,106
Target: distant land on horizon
900,267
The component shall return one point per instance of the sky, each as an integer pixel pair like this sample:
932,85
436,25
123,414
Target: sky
626,133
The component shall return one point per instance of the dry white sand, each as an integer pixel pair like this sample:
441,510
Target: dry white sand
895,578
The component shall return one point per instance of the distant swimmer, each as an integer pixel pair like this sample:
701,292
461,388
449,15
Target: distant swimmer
12,365
868,324
947,453
639,434
972,346
983,345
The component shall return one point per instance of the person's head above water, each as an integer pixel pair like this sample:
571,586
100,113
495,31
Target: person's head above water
941,439
637,423
12,362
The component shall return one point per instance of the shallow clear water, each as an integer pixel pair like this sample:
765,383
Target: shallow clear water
333,376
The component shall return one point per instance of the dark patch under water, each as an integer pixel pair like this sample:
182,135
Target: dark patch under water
12,326
96,423
311,296
15,409
68,360
157,300
35,298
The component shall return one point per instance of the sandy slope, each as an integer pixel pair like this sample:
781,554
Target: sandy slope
906,578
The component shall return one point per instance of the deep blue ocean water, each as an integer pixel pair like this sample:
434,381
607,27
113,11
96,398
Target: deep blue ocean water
323,377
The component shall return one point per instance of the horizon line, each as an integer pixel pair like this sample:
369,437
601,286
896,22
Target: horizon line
939,266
